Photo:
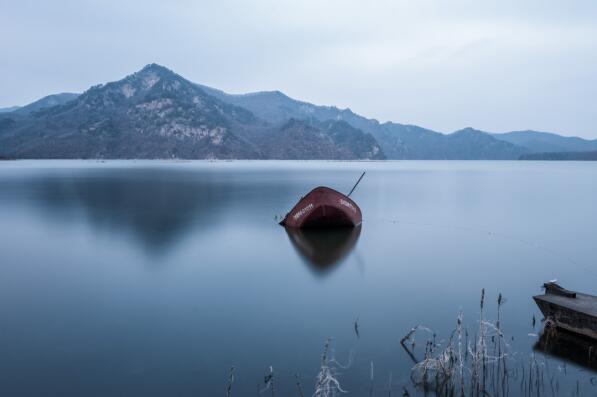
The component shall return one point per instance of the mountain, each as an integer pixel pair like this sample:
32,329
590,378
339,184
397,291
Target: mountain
276,107
153,113
156,113
331,140
467,144
398,141
575,156
476,145
537,141
47,102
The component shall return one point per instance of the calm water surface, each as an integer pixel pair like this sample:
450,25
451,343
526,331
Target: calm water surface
134,278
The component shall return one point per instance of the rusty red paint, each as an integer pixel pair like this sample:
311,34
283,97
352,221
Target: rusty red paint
324,207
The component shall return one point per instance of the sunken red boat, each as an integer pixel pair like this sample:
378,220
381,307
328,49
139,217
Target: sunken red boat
324,207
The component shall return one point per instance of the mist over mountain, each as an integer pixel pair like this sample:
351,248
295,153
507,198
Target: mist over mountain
155,113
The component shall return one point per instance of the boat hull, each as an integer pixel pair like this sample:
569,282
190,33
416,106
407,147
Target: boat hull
324,208
571,314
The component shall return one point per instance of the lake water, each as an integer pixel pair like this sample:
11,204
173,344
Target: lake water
153,278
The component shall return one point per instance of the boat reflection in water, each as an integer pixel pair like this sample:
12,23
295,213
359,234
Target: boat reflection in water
323,248
565,345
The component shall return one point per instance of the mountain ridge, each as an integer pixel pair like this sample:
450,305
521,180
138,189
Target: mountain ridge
547,142
399,141
153,113
156,113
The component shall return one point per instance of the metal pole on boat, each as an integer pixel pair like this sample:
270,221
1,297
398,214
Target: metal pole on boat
355,185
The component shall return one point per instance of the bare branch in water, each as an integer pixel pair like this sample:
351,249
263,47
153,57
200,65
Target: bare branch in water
327,384
412,332
230,382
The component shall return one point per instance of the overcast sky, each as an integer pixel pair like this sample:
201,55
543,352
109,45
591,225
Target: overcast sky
497,66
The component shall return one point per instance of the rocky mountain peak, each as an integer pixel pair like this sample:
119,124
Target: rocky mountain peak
157,68
469,130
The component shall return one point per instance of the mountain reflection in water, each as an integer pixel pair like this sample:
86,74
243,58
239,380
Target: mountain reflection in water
323,248
155,208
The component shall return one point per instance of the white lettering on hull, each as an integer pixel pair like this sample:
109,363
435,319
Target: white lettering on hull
347,204
303,211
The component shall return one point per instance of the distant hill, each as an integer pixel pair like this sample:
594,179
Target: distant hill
155,113
477,145
538,142
578,156
467,144
9,109
47,102
398,141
